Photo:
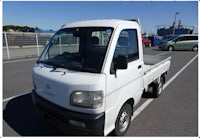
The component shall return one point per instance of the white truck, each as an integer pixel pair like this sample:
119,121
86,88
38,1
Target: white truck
92,74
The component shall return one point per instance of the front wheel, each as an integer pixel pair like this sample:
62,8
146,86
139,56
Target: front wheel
123,120
170,48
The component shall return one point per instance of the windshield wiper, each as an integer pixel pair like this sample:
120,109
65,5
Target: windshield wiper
53,64
69,66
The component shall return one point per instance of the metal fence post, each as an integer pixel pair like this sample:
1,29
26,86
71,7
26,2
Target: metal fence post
6,40
38,52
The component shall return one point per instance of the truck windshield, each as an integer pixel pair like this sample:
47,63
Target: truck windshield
81,49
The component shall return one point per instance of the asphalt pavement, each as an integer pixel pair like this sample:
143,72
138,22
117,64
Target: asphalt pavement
174,113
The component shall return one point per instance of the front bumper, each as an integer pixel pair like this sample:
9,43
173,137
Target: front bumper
67,120
162,47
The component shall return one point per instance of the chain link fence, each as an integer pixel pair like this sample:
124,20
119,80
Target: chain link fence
19,45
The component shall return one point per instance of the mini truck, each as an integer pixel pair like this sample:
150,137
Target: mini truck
92,74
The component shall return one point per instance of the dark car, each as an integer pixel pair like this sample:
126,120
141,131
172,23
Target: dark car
155,40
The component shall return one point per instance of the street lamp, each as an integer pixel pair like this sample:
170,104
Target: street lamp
175,22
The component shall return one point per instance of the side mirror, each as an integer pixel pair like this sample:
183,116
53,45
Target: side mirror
121,62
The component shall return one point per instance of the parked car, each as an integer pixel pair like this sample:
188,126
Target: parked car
181,42
155,40
146,41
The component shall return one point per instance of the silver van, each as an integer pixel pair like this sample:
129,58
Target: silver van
181,42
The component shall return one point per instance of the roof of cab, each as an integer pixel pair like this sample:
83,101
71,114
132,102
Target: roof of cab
96,23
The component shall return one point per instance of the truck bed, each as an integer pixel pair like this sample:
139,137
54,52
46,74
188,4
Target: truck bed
154,67
151,61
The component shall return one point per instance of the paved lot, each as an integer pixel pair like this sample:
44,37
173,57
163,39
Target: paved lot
174,113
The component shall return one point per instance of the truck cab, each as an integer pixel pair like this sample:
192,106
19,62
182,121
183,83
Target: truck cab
91,75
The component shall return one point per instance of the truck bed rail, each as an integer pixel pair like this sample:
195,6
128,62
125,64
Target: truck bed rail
151,61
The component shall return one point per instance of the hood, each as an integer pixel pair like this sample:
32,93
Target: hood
57,85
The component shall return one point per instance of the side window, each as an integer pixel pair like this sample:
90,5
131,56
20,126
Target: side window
127,45
193,38
188,38
185,38
182,38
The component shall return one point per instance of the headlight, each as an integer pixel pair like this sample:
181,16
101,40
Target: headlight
87,99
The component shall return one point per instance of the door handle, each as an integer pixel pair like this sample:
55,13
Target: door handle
139,66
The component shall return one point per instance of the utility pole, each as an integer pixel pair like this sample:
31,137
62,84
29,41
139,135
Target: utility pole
174,25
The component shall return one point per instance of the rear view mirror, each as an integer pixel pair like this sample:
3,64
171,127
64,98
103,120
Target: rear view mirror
78,34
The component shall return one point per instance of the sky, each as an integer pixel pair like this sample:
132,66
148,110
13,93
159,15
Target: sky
53,14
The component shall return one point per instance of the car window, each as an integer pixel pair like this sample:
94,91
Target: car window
184,38
192,38
178,39
127,45
187,38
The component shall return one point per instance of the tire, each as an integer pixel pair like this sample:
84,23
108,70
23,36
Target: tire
158,87
123,120
170,48
195,48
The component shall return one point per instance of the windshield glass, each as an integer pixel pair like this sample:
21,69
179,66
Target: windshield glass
81,49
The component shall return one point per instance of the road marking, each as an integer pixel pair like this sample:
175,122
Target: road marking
20,60
10,98
147,102
179,72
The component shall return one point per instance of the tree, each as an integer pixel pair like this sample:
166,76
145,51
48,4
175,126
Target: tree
20,28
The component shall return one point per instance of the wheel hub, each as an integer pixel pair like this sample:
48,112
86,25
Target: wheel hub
124,121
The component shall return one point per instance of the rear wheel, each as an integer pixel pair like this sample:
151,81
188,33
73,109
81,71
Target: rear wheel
123,120
195,48
158,87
